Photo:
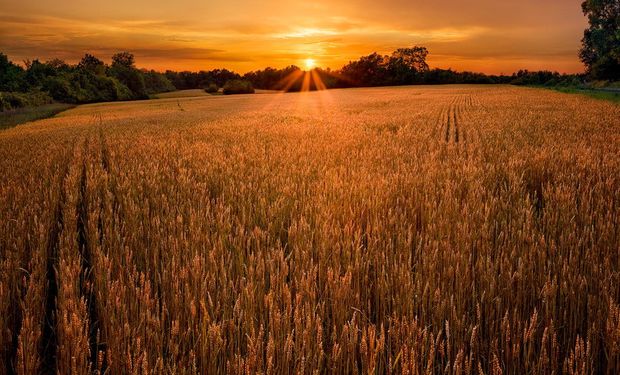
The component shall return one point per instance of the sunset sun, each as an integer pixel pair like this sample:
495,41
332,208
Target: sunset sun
310,63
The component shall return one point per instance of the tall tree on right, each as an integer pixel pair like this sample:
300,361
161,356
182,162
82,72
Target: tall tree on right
601,40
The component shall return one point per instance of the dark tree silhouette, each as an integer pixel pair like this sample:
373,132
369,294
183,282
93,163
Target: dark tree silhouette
11,75
91,80
123,68
369,70
124,59
92,64
601,41
413,58
405,66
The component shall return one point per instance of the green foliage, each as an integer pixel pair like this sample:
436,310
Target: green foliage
92,64
613,96
12,77
37,72
199,80
123,59
87,82
15,100
238,86
86,87
156,82
26,114
60,89
600,50
124,70
540,78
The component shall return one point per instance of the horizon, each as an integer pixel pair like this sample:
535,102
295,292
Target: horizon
481,36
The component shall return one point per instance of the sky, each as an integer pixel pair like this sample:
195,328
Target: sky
490,36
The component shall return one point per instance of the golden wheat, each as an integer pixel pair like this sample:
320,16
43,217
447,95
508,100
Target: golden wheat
427,230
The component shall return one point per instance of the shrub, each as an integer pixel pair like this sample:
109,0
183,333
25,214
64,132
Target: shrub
156,83
15,100
237,86
212,88
60,89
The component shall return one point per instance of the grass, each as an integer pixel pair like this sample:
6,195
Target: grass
19,116
593,93
435,230
596,93
181,94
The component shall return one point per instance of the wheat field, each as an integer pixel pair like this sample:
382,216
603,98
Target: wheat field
413,230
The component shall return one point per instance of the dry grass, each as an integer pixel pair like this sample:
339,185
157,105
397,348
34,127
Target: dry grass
450,230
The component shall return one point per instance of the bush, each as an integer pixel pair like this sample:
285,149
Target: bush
237,86
132,78
156,83
60,89
212,88
15,100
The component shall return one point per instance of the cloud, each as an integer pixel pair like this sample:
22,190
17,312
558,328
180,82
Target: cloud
246,35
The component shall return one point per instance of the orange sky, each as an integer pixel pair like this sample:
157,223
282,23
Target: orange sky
491,36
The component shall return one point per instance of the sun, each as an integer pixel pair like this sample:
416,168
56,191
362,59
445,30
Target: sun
310,63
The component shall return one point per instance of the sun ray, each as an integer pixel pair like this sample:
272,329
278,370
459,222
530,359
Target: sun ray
287,82
305,86
318,82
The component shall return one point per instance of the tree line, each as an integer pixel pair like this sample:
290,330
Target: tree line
91,80
88,81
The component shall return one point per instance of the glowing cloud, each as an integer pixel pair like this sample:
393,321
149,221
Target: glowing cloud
479,35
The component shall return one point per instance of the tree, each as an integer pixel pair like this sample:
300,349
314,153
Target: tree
92,64
124,70
11,75
367,71
237,86
58,65
124,59
156,82
600,50
413,58
37,72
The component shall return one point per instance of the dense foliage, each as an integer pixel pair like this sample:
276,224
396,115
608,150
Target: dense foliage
238,86
14,100
405,66
545,78
91,80
202,79
601,40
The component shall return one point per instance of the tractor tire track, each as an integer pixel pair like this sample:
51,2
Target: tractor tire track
439,121
49,339
87,280
456,123
448,123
